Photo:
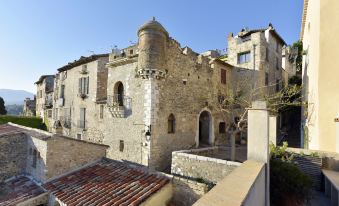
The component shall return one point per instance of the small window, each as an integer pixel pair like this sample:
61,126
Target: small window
131,51
222,128
223,76
277,47
49,113
30,151
62,91
79,136
244,57
84,85
171,124
101,111
34,158
266,78
121,146
184,81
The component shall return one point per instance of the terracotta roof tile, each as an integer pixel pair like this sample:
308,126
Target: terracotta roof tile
106,182
18,190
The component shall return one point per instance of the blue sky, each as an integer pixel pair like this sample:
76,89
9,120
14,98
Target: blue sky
39,36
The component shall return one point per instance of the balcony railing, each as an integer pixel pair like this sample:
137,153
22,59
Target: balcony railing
117,100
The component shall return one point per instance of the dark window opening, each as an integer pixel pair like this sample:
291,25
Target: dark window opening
184,82
34,158
101,111
131,51
121,146
266,78
222,128
79,136
223,76
171,124
244,57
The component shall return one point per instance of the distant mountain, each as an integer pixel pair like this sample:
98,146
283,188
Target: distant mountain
15,96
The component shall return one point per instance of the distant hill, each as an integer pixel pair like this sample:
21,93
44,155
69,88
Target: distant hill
14,96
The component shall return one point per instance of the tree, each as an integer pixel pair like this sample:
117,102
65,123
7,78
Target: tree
3,110
298,46
235,104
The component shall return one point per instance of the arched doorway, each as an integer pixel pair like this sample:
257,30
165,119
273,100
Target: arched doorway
205,128
119,93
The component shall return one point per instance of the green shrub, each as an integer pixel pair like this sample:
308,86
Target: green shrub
288,184
33,122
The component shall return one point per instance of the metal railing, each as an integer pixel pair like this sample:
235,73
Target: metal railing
117,100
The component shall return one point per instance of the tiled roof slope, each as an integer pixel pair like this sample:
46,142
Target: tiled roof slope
106,182
18,190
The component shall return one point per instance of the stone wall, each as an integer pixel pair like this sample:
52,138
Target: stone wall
40,146
66,154
186,191
188,165
13,153
192,85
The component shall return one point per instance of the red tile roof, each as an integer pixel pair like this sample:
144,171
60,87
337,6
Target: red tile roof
18,190
106,182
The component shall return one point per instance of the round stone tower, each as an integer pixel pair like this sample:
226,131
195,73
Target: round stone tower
152,50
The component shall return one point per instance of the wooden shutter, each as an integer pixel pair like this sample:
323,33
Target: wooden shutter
87,85
80,83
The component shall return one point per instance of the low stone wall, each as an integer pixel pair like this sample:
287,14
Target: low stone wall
185,191
244,186
191,164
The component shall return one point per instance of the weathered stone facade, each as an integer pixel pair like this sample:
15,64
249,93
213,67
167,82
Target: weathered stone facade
189,165
263,60
43,155
29,107
45,86
13,154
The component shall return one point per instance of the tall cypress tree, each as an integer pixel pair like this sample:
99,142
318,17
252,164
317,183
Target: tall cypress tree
3,110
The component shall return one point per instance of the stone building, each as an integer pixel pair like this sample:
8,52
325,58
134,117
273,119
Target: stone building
29,107
80,89
44,96
152,98
260,52
289,66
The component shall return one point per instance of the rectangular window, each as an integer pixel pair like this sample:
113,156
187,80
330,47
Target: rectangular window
79,136
222,128
82,121
62,91
34,158
121,146
266,78
277,47
83,85
101,113
223,76
49,113
244,57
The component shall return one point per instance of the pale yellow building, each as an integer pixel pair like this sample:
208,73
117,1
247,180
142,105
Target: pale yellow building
320,73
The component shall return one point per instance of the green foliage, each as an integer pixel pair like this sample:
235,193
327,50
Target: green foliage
3,110
280,153
295,80
33,122
299,59
287,181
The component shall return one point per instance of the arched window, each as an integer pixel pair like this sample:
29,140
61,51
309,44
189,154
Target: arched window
171,124
119,93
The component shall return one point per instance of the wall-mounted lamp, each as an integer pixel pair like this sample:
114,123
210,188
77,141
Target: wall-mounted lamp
148,134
